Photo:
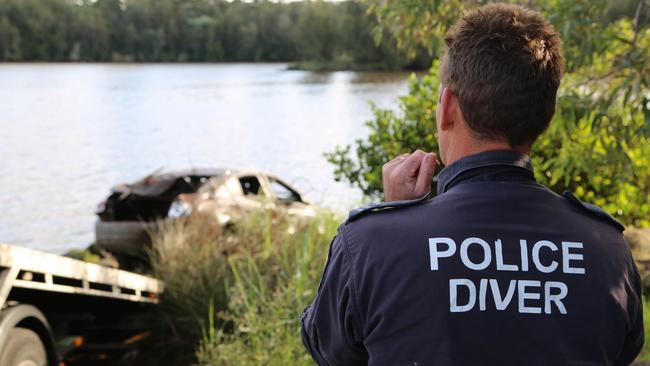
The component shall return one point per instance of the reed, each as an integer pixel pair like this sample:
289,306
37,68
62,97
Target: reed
273,278
190,256
235,297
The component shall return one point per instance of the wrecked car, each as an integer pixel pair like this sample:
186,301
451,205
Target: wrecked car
230,196
130,212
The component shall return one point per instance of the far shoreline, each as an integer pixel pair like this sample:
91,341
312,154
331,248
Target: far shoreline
313,66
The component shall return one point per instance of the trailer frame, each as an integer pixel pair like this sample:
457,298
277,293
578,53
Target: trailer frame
45,274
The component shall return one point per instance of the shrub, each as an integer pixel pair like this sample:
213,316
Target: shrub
597,144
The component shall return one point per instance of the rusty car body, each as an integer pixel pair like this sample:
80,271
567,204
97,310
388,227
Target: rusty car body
131,212
234,194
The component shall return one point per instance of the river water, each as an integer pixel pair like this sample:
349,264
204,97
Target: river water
71,131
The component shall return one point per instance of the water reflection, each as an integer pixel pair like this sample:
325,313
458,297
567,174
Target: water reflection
316,77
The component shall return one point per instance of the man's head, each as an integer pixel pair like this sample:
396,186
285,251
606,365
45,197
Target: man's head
500,77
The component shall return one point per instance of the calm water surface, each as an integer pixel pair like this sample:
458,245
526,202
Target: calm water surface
70,132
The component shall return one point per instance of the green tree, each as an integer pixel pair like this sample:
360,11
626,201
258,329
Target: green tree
597,145
320,33
9,40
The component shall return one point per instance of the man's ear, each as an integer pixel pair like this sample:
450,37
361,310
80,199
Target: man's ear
448,109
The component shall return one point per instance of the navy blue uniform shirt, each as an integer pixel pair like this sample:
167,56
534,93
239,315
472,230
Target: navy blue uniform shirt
495,270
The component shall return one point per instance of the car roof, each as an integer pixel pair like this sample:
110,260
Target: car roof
158,182
202,172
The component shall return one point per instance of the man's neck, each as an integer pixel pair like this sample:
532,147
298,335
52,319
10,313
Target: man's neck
457,152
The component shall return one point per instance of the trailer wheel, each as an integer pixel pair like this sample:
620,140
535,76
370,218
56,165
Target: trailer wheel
23,348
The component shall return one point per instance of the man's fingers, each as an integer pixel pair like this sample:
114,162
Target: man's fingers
425,174
388,168
412,164
397,159
408,176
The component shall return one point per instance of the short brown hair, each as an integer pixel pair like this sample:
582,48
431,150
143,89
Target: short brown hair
504,63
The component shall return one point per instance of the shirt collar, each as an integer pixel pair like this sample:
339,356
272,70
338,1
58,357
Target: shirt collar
501,158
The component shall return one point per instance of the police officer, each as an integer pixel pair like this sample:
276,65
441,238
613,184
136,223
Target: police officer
496,269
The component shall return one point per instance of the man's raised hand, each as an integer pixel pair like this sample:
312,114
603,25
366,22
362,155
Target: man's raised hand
408,176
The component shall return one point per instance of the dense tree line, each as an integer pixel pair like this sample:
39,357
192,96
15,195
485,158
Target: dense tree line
338,34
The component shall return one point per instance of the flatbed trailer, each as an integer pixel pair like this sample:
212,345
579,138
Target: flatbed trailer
56,310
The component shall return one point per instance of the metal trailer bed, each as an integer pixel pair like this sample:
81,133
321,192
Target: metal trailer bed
71,307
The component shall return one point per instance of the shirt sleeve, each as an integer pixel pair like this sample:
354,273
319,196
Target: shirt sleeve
635,335
330,326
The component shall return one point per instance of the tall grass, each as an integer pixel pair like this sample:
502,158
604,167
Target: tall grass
271,286
235,298
190,256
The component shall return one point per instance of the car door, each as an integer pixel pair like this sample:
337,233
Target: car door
287,198
220,197
253,192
